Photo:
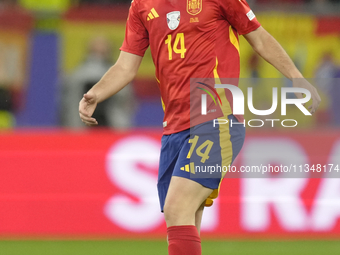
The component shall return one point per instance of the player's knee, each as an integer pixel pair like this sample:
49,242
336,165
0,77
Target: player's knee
178,214
170,212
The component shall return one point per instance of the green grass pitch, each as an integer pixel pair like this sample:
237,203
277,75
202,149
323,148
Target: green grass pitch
158,247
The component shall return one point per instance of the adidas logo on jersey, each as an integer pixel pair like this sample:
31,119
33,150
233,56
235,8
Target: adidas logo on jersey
152,14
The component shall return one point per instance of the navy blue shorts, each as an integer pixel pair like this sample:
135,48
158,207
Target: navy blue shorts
202,154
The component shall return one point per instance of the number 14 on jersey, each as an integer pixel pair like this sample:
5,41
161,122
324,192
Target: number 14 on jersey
179,41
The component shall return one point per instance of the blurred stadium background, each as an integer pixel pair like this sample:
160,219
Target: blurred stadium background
68,189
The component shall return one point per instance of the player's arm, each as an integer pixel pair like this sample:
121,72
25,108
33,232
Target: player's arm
270,50
116,78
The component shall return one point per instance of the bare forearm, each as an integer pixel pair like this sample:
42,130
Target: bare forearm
116,78
270,50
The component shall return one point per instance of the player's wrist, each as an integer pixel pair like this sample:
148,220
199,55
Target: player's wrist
296,74
94,94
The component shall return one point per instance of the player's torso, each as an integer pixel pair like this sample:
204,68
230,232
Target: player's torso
182,33
186,38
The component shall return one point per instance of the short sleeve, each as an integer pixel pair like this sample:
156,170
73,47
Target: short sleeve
136,39
239,15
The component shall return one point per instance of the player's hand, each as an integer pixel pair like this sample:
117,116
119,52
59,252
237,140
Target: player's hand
303,83
87,106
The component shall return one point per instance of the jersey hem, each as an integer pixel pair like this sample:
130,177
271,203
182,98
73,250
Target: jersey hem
240,118
132,51
251,29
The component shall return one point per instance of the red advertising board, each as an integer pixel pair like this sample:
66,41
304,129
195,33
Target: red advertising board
103,184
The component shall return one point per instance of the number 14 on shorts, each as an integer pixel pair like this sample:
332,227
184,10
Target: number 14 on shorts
202,151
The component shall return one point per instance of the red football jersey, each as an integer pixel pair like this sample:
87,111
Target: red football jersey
188,39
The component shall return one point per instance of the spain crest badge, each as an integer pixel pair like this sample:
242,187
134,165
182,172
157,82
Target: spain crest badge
194,6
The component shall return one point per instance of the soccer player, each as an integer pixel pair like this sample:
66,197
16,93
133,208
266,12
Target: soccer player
190,39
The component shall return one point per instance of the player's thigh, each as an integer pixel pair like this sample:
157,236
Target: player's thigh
183,199
199,216
187,190
171,147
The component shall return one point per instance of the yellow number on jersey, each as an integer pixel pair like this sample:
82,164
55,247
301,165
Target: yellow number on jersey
168,42
182,49
179,41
